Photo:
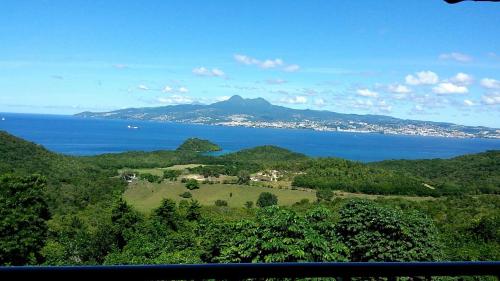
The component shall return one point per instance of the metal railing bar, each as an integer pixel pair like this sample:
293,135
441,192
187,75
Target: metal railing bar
238,271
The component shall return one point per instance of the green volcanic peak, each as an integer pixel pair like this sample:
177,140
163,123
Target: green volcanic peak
198,145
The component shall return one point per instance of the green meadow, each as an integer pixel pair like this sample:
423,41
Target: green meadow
146,196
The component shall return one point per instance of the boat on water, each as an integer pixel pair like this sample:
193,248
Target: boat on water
132,127
3,118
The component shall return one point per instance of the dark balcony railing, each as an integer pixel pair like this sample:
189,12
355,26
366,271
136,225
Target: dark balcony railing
240,271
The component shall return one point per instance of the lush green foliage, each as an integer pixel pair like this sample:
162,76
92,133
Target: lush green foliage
476,173
267,199
91,225
150,177
220,203
324,195
72,183
186,194
249,204
278,235
266,156
23,219
243,177
339,174
198,145
375,233
171,174
192,184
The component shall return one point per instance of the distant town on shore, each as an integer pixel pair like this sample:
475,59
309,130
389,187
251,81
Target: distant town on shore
259,113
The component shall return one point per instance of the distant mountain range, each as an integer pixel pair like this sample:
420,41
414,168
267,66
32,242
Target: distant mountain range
258,112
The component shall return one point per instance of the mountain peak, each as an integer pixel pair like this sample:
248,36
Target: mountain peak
245,106
238,100
235,98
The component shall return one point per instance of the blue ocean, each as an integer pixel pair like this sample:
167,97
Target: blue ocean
79,136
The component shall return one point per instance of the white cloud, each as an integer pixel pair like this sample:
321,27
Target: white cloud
222,98
449,88
246,59
172,90
462,79
294,100
217,72
469,103
422,78
291,68
490,83
143,87
367,93
491,99
362,104
175,99
203,71
271,63
319,102
418,107
455,56
398,89
267,63
309,91
275,81
168,89
383,106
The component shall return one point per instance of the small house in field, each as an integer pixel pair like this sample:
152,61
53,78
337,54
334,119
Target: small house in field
271,175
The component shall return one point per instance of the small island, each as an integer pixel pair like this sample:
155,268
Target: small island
198,145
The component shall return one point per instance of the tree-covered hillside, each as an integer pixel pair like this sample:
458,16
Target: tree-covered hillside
475,173
72,183
198,145
340,174
76,213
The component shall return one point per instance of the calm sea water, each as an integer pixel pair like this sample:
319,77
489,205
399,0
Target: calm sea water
79,136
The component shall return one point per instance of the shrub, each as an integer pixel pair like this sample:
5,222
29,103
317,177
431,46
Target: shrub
192,184
150,177
267,199
193,211
186,194
324,195
249,204
377,233
243,177
171,174
220,203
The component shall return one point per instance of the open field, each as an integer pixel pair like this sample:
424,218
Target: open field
159,171
343,194
145,196
182,167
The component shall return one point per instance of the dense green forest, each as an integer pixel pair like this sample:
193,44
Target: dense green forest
57,209
198,145
478,172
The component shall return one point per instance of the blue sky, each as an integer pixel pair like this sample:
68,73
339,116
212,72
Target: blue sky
416,59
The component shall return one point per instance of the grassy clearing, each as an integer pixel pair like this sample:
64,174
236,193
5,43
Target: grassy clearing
145,196
159,171
343,194
183,167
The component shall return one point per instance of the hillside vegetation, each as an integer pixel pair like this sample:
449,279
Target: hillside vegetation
72,184
72,211
198,145
475,173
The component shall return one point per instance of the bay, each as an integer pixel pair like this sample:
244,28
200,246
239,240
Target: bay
79,136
